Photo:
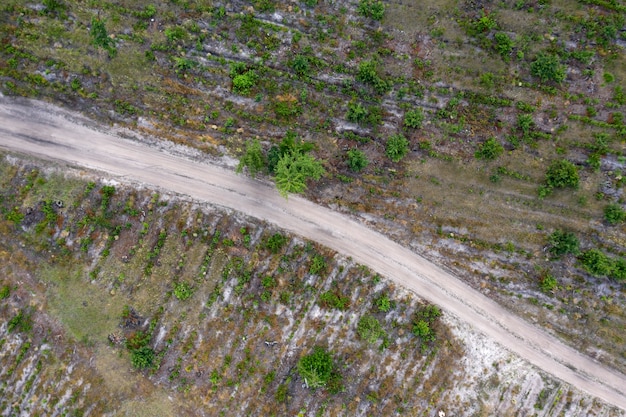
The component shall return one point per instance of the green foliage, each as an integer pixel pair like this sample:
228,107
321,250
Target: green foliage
548,67
316,368
525,123
243,83
14,215
561,174
368,73
562,242
21,322
357,113
175,33
318,264
423,321
397,147
383,303
332,299
357,160
53,6
547,283
483,24
503,45
301,65
614,214
100,38
369,329
253,158
275,242
596,262
5,292
489,150
414,118
142,358
294,169
374,9
183,291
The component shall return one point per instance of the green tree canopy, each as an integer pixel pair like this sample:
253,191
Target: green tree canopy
562,242
357,160
293,170
397,147
548,67
253,158
316,368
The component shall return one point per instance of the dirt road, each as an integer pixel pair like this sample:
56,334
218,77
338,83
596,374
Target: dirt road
46,131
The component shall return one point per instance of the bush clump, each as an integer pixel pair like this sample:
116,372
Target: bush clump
560,174
614,214
397,147
414,118
374,9
318,370
357,161
562,243
548,67
489,150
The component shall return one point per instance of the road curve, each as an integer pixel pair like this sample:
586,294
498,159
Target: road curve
46,131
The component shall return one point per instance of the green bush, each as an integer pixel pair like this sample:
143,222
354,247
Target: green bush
562,242
503,45
374,9
142,358
547,283
489,150
369,329
548,67
183,291
525,123
561,174
5,292
357,160
423,321
21,322
596,262
243,83
331,299
614,214
275,242
414,118
357,113
316,368
368,73
383,303
318,264
301,65
397,147
253,158
100,38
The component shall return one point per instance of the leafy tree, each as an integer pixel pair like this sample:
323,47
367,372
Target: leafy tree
243,83
318,264
316,368
423,321
253,158
357,160
414,118
142,358
562,242
368,73
596,262
561,174
294,169
548,67
490,149
183,291
369,329
614,214
374,9
483,24
397,147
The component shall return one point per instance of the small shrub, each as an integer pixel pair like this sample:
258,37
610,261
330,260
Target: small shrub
561,174
301,65
142,358
183,291
369,329
100,38
489,150
243,83
547,283
414,118
253,159
357,160
374,9
548,67
316,368
383,303
397,147
423,321
614,214
331,299
21,322
503,45
525,123
596,262
318,264
562,242
275,243
5,292
357,113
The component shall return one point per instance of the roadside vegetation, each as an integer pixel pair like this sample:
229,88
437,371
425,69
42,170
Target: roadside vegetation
459,130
